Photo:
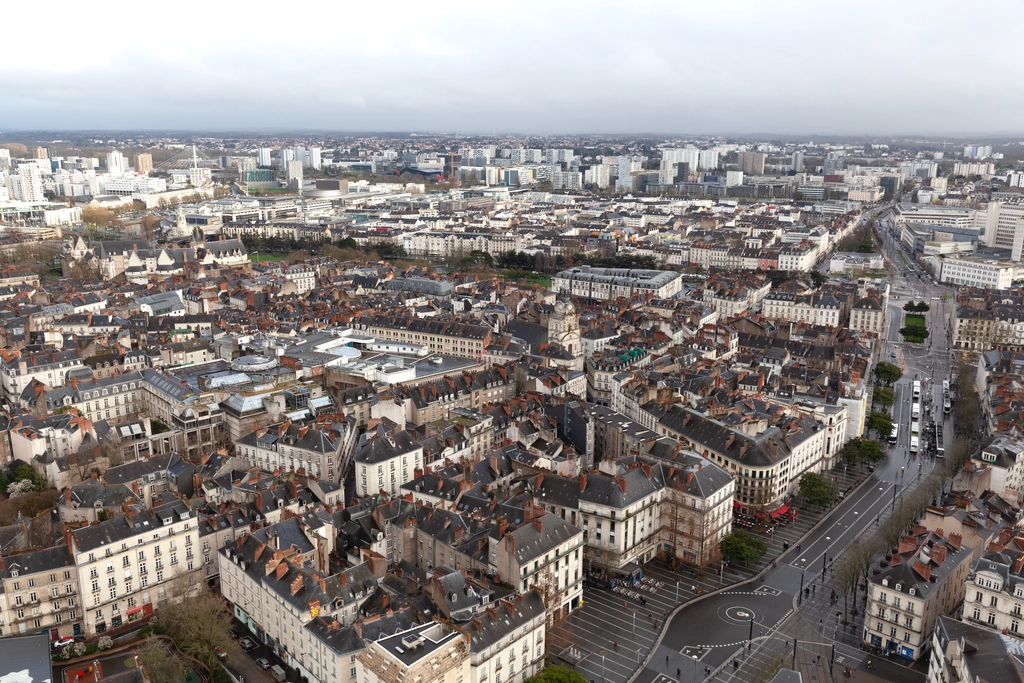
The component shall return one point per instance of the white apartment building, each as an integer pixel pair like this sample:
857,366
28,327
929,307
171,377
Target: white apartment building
284,601
611,283
995,591
40,593
302,276
506,643
923,580
18,369
598,174
799,257
977,272
431,653
388,462
321,450
125,564
546,553
567,180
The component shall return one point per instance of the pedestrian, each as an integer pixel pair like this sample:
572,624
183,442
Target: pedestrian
666,660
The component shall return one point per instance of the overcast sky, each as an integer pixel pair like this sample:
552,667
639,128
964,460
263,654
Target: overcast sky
552,66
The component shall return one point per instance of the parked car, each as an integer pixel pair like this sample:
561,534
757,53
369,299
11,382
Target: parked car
221,652
61,642
263,663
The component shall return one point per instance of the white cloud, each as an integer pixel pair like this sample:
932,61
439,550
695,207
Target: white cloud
530,66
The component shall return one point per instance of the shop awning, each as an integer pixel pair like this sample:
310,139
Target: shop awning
133,610
736,505
783,510
775,514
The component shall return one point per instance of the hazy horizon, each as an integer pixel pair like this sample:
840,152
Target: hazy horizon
597,68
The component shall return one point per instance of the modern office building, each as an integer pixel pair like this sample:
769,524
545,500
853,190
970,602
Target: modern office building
976,271
117,163
263,156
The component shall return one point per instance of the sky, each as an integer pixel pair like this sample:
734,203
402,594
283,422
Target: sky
524,66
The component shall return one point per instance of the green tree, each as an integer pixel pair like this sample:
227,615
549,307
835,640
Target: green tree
881,423
888,373
816,490
556,674
913,334
859,450
883,397
742,547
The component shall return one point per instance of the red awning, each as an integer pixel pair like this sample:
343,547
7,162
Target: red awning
775,514
783,510
736,505
133,610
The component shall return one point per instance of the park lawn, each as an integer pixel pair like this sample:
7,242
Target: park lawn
527,277
914,320
265,257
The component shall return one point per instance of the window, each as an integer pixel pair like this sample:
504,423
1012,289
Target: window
113,594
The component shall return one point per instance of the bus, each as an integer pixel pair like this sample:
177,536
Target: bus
945,386
894,436
916,412
914,429
940,452
913,444
917,389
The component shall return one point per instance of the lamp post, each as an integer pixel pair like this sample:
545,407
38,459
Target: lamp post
750,637
824,558
895,490
603,653
721,572
695,668
677,592
800,595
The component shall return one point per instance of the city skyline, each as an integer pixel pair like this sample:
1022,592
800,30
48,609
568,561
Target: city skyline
794,68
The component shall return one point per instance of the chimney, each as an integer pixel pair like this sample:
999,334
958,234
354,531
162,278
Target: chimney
296,584
537,523
282,569
583,482
622,484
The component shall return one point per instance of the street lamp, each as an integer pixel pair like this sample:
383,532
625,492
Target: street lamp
800,595
603,653
824,558
695,668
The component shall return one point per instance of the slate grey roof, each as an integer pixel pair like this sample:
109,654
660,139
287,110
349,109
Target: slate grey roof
541,536
35,561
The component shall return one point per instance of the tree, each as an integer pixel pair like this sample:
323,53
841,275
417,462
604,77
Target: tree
555,674
98,216
816,490
161,664
149,224
881,423
742,547
914,334
883,397
888,373
196,620
860,450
